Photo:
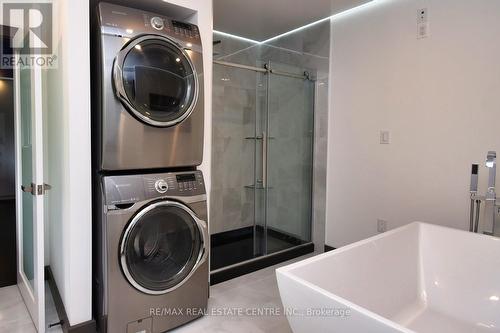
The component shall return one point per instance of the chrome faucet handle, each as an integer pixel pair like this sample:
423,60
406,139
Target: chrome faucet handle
491,159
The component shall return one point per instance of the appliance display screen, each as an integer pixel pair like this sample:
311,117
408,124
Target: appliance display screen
182,25
186,177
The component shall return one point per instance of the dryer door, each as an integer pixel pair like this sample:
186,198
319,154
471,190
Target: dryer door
162,247
156,81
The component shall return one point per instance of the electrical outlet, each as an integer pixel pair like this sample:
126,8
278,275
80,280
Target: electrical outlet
423,30
385,137
381,226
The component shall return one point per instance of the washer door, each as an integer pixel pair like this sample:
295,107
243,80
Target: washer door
156,81
162,247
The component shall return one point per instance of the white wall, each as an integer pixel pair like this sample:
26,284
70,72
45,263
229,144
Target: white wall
68,167
69,154
204,20
439,97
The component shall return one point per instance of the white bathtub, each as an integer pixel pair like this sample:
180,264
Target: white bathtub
418,278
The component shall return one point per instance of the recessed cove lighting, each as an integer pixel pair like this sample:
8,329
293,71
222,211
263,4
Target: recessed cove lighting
332,17
236,37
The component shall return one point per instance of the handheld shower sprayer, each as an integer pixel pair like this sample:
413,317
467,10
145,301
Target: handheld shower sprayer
474,204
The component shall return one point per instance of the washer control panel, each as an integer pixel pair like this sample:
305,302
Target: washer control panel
136,188
174,184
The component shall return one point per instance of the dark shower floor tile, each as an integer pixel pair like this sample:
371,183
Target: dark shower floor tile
236,246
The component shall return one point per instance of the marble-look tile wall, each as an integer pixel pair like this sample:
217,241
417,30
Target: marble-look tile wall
309,50
234,104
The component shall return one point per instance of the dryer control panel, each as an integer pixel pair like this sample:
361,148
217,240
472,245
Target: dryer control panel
136,188
130,22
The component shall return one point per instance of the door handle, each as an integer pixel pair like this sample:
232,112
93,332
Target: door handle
28,189
36,189
264,160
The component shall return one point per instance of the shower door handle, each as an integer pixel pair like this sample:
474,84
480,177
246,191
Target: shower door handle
264,160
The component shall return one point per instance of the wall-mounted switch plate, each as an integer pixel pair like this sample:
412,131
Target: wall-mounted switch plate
422,16
422,23
385,137
381,226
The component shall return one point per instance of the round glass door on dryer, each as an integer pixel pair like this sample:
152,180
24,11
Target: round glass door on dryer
162,246
156,80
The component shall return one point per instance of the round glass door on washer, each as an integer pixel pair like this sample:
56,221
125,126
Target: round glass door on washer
161,247
154,251
151,91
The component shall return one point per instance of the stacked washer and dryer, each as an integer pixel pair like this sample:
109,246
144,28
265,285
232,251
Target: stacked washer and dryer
151,233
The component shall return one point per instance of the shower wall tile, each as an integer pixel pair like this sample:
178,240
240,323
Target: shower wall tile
234,103
235,50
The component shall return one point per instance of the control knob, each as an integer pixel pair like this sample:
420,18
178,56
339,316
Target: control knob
157,23
161,186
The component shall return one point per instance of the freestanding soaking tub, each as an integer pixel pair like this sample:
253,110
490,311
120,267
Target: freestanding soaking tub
418,278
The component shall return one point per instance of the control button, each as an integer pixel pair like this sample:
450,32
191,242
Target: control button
157,23
161,186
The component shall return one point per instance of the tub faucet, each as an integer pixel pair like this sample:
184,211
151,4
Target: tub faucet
491,205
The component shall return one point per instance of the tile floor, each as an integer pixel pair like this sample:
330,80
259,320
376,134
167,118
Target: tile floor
252,291
255,290
14,316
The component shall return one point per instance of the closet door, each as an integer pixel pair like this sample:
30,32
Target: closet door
30,190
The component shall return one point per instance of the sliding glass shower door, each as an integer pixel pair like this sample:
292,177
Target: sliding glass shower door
262,161
289,161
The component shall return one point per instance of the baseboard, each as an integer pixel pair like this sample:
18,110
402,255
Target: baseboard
85,327
329,248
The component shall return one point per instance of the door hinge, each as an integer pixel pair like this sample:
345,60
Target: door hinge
36,189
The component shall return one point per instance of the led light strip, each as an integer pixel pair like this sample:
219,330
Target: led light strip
332,17
236,37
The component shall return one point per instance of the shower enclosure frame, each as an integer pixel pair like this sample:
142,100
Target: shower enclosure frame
268,259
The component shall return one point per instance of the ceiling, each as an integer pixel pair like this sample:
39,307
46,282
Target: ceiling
262,19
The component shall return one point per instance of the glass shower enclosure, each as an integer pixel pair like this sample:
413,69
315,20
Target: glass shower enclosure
263,131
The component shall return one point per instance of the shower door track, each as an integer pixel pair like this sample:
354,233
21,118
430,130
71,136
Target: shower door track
266,69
